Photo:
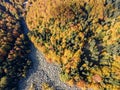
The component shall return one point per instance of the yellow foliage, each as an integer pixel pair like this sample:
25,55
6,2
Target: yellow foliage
81,84
106,71
46,86
3,82
73,25
70,82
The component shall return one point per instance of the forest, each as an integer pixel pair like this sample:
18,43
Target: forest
80,36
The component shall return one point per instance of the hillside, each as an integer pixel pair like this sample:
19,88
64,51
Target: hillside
69,44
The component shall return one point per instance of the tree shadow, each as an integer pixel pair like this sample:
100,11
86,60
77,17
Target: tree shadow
90,58
36,64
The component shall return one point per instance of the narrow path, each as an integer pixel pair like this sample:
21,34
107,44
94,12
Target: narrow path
42,71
